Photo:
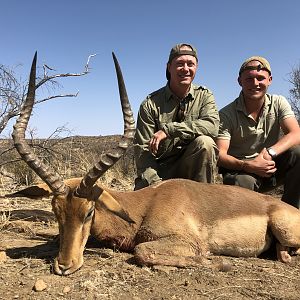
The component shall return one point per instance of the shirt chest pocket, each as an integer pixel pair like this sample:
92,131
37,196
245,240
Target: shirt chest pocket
270,117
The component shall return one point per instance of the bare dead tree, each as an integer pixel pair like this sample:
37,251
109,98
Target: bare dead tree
13,90
12,96
294,79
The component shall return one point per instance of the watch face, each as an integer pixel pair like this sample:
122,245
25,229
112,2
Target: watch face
271,152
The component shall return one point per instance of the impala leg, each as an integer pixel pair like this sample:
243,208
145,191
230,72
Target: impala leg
169,252
285,225
283,253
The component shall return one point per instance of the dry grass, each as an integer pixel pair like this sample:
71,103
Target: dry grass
69,157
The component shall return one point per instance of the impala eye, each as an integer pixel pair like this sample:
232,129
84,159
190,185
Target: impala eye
89,214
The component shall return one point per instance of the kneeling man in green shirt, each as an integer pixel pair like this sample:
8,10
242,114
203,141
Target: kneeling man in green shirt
177,125
259,136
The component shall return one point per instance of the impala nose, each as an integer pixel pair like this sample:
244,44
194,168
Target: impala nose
61,268
66,267
64,270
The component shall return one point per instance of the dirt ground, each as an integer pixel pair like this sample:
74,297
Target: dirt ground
28,245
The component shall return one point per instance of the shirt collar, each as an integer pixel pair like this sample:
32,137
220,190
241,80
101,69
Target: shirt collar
170,95
241,103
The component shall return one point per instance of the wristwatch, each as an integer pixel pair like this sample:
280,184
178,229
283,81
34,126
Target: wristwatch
272,152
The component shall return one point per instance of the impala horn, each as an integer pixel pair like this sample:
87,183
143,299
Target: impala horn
54,182
108,159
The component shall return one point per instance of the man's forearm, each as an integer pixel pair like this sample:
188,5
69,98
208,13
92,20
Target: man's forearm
231,163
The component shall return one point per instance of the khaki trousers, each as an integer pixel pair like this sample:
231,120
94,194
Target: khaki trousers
196,160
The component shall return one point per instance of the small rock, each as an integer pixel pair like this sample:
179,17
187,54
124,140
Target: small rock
225,267
3,256
66,289
39,285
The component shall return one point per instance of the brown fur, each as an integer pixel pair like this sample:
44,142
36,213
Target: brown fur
178,222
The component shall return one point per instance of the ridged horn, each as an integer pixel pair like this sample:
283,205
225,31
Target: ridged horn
54,182
108,159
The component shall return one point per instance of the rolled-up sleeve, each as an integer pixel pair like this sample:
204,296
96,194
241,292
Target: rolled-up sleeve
225,127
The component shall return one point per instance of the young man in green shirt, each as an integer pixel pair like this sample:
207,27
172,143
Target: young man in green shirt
259,136
176,126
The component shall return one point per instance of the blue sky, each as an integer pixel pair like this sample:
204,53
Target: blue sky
141,34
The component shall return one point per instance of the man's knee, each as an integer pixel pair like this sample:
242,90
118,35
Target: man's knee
204,142
206,147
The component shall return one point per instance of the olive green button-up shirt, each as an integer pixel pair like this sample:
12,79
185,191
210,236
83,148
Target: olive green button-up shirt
248,137
159,111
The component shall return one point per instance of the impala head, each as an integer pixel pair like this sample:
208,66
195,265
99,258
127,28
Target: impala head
74,200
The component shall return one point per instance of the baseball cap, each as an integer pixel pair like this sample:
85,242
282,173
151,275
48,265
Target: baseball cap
264,64
176,51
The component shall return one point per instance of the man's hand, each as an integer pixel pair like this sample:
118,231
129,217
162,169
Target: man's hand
155,141
262,165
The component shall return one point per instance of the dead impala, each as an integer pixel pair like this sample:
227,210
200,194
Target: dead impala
177,222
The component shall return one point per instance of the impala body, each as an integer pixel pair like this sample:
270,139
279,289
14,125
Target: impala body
177,222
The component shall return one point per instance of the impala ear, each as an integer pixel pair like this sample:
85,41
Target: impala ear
111,204
34,192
